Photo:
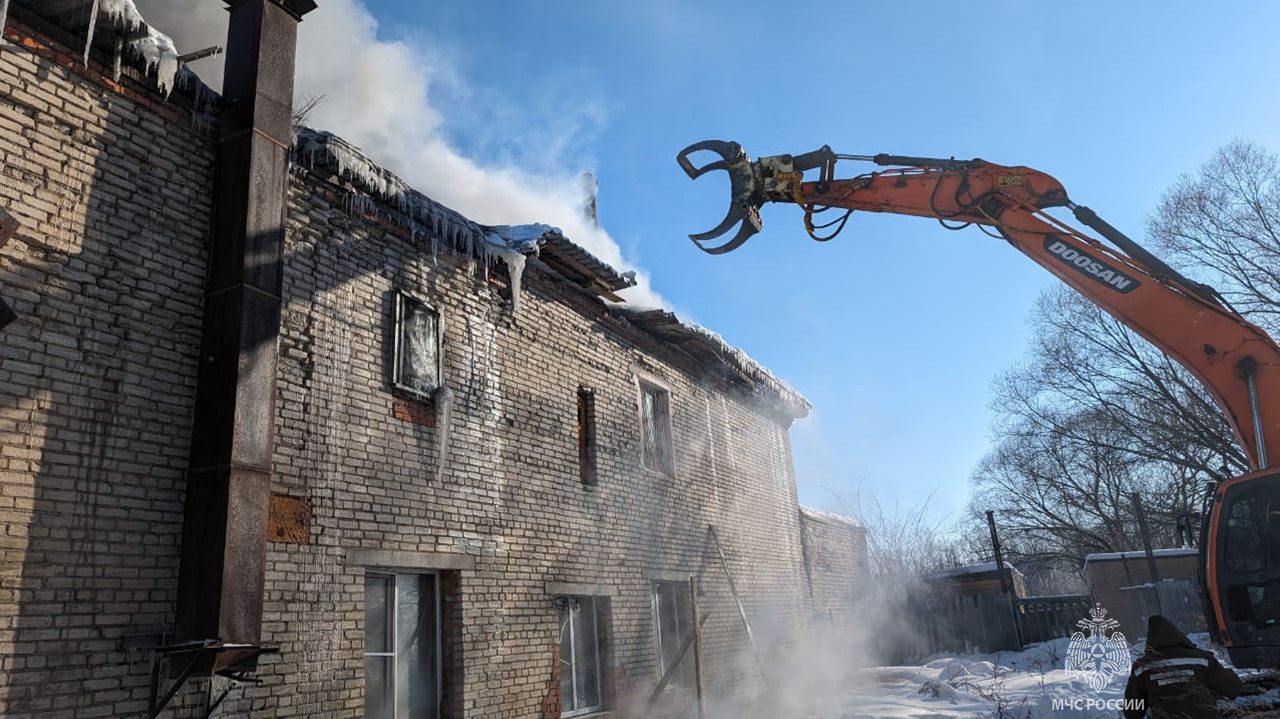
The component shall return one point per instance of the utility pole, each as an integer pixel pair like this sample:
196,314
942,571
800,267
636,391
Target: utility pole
1006,583
1146,537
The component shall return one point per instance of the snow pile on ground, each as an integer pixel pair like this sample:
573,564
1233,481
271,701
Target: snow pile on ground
1031,684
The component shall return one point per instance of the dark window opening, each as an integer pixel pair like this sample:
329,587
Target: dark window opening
673,625
416,367
655,428
587,436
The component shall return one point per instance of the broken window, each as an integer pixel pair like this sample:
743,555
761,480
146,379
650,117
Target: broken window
655,428
579,655
401,646
587,436
673,625
417,366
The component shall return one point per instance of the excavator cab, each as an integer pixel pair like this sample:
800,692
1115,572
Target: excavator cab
1243,567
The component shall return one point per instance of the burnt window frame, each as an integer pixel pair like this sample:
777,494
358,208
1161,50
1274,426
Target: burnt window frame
665,461
402,300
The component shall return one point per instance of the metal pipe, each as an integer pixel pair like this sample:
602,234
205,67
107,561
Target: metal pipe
1250,368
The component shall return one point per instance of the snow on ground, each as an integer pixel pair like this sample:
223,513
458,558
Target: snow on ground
1031,684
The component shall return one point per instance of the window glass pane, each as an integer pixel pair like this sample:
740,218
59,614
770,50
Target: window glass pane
416,647
586,655
377,613
674,627
566,657
649,429
1244,536
668,627
419,360
378,702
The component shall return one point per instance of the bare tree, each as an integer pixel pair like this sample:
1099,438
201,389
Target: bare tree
1095,413
1222,224
903,542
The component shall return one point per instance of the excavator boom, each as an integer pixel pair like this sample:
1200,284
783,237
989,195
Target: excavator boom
1237,362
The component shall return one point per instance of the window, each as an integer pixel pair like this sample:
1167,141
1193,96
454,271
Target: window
587,436
401,646
673,624
655,428
579,656
416,363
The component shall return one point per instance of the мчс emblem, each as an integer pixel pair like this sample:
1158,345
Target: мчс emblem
1098,657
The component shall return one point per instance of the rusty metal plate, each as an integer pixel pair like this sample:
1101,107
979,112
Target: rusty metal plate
290,521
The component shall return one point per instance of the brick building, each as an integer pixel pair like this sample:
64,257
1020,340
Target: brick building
481,489
835,562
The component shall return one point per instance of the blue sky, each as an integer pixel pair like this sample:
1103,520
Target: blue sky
895,330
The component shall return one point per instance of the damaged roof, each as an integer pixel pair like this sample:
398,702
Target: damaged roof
118,32
324,151
711,350
328,153
115,30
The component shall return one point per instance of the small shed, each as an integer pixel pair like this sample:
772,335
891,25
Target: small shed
973,579
1118,580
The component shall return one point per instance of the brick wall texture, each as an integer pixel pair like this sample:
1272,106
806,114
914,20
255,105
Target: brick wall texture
835,555
112,186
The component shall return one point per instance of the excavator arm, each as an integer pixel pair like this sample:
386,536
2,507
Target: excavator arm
1236,361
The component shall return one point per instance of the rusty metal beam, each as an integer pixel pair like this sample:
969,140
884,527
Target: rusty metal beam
224,538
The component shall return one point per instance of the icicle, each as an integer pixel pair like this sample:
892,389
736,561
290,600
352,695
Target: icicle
444,410
515,268
116,59
93,26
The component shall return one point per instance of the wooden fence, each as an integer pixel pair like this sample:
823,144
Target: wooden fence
1178,600
988,622
1043,618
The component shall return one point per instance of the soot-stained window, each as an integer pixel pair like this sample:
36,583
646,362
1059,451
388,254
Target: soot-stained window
417,365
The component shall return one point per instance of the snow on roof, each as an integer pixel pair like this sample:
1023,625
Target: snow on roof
829,517
707,346
969,569
154,50
375,185
1105,556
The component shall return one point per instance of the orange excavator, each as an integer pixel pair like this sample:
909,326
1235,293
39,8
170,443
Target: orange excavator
1236,361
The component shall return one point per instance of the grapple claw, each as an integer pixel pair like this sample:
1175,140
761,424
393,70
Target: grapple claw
744,206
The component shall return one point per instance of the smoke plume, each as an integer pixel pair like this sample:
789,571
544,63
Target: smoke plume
376,94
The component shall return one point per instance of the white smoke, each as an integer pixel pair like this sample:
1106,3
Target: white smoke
376,94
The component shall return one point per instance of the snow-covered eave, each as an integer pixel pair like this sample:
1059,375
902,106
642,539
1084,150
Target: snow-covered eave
821,516
702,343
970,570
119,32
1140,554
374,186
